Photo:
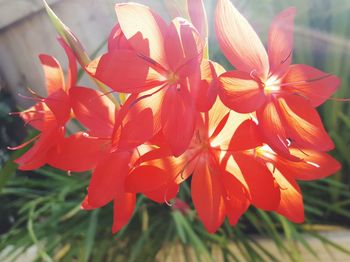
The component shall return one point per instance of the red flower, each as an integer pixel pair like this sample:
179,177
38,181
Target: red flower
160,60
283,95
50,114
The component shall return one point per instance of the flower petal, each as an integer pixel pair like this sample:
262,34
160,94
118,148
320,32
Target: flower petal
54,78
125,71
246,136
291,205
108,179
94,110
207,196
117,40
144,29
238,40
182,44
315,85
314,165
78,153
72,65
198,15
238,91
124,206
280,47
303,124
261,185
178,119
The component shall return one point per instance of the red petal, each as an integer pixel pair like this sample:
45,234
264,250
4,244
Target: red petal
137,130
207,196
262,188
314,165
164,193
240,92
208,89
196,10
124,206
310,82
94,110
272,128
78,153
125,71
246,136
37,155
72,65
178,119
108,179
238,40
144,29
59,104
182,44
291,204
146,178
117,40
54,77
236,200
303,124
281,42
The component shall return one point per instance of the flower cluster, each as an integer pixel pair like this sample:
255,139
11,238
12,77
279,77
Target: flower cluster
243,137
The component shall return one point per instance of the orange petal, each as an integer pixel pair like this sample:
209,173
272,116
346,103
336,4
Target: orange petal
261,185
198,15
125,71
54,78
280,47
94,110
315,85
240,92
207,196
303,124
291,205
144,29
238,40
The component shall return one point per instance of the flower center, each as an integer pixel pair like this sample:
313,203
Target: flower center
272,85
172,78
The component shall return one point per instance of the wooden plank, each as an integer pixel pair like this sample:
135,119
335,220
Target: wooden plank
12,11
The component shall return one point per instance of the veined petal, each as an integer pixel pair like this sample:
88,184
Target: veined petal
207,196
313,165
54,78
208,88
198,15
94,110
72,65
238,40
280,42
163,194
315,85
178,118
59,104
144,29
125,71
117,40
272,128
303,124
291,205
182,44
240,92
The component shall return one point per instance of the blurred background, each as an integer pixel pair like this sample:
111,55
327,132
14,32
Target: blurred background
39,210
